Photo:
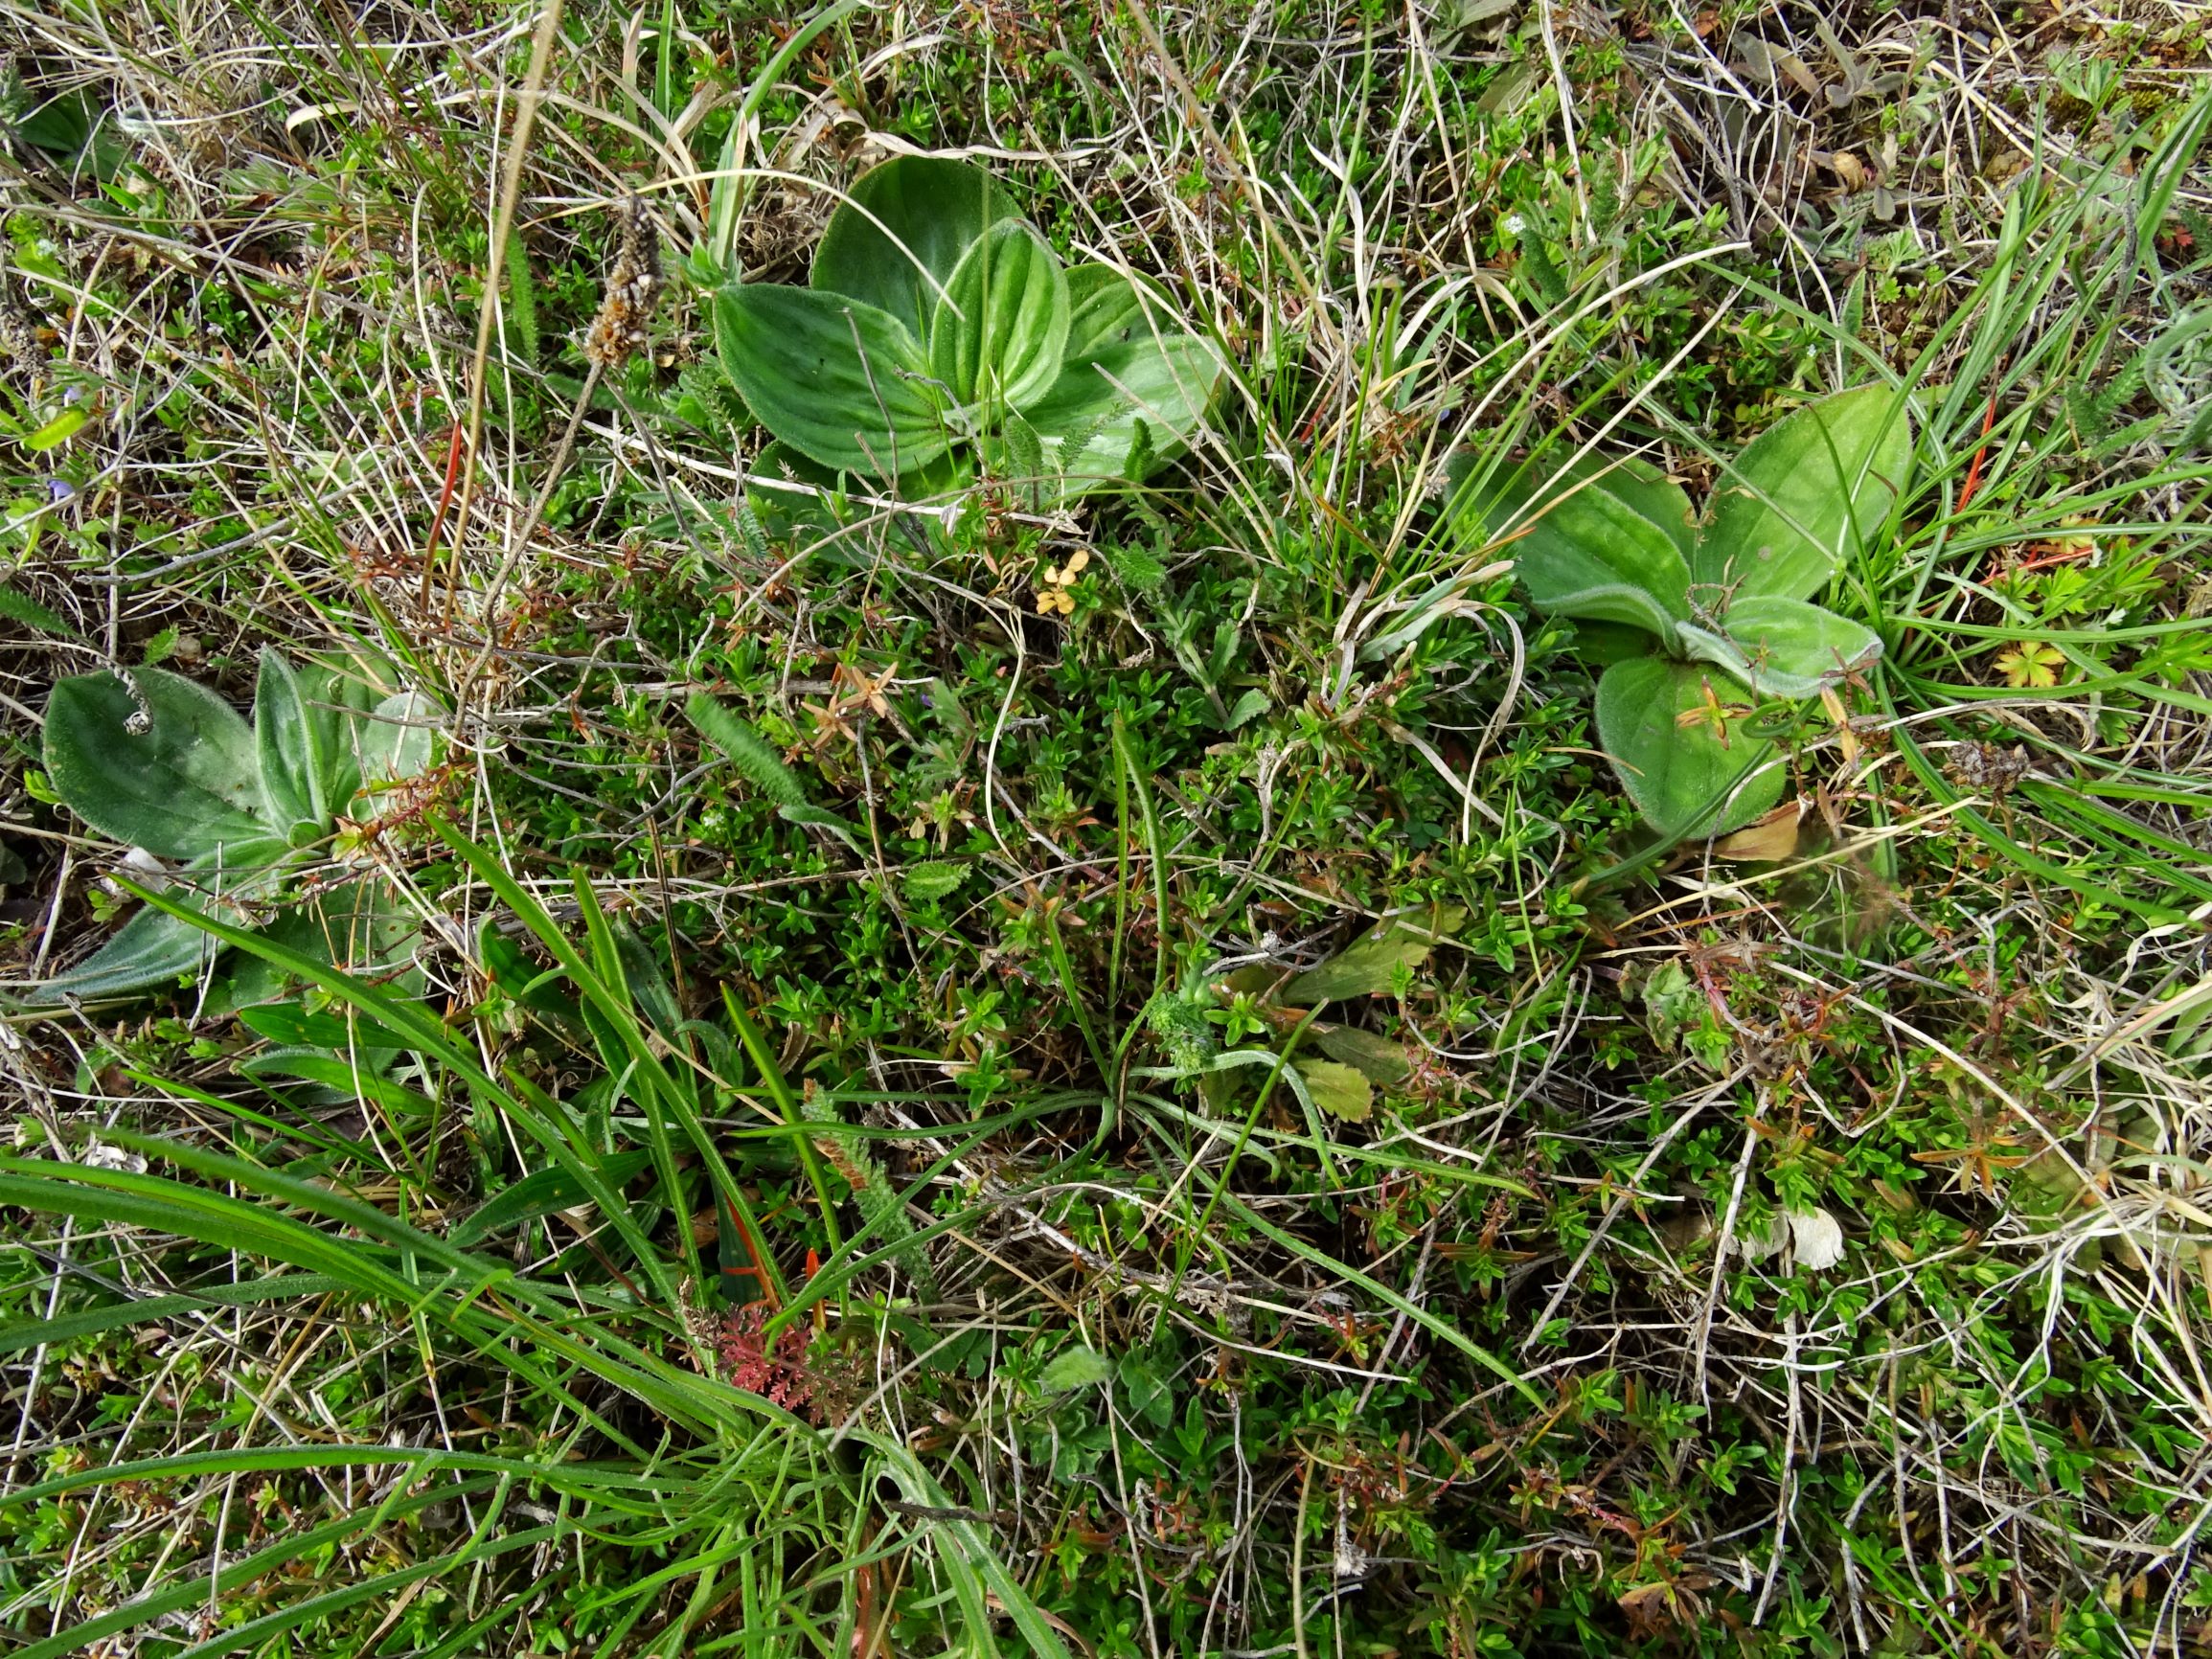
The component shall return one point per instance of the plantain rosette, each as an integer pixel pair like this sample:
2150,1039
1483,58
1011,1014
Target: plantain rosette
1699,625
940,332
163,764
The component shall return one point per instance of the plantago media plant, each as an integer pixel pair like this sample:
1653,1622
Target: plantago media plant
940,333
1701,622
166,765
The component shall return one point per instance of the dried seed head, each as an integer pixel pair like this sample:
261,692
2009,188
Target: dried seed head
18,328
632,289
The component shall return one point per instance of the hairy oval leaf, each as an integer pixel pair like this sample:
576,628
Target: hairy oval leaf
397,740
1000,328
1109,413
1805,495
840,381
178,776
896,241
1684,775
153,947
1783,648
338,693
1075,1367
1605,540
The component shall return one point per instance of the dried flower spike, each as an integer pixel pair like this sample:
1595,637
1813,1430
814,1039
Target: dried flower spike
18,328
632,289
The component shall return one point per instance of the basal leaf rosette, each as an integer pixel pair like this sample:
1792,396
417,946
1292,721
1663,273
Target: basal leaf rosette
1701,622
938,326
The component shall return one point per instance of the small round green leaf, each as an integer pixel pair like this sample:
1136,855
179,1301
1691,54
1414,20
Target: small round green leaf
1341,1090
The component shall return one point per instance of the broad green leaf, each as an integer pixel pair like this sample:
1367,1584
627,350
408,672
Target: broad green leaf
1602,643
358,926
1341,1090
1248,708
1375,1059
1369,966
1001,325
152,948
1091,417
339,694
1605,540
1107,309
1783,648
1684,776
396,741
288,742
840,381
508,967
895,244
1803,496
177,776
1075,1368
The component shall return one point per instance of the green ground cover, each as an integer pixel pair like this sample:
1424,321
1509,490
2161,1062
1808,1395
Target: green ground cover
1092,1037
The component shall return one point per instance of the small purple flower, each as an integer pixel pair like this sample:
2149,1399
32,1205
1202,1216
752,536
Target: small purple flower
59,490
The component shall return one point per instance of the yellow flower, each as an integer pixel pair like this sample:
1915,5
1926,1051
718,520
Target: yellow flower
1054,598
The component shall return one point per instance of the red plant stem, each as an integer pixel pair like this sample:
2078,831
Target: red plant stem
1973,472
757,1273
445,501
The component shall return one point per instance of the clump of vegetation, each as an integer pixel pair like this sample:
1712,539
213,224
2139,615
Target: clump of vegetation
1617,543
168,768
940,333
1174,1030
